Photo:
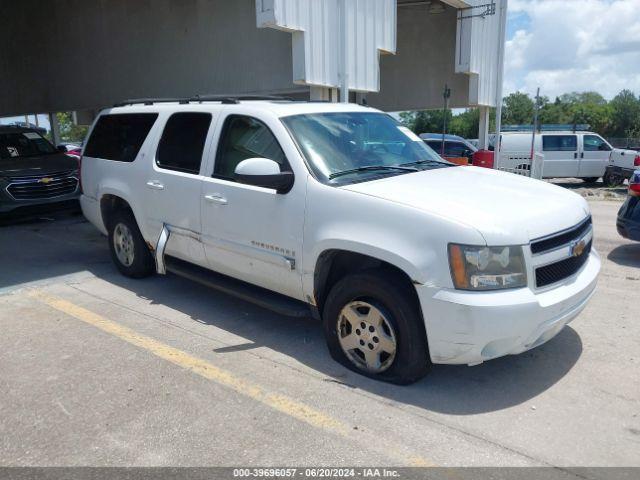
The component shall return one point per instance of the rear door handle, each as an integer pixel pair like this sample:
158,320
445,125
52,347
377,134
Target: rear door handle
155,185
216,198
575,155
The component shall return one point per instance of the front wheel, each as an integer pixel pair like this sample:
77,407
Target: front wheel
373,326
590,179
128,249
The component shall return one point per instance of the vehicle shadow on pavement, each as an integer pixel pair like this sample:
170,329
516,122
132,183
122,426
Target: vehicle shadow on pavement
456,390
627,255
70,247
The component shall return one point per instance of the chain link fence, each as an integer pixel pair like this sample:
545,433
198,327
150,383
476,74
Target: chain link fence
631,143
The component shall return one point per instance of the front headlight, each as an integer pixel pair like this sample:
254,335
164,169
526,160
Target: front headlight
487,268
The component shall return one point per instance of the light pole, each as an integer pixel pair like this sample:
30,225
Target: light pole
446,95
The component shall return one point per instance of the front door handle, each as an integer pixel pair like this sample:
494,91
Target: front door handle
155,185
216,198
575,155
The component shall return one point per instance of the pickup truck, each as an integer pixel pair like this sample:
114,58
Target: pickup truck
622,164
338,212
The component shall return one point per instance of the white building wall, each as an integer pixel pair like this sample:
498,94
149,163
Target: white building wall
319,26
478,44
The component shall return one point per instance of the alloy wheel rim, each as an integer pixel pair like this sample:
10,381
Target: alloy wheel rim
366,336
124,245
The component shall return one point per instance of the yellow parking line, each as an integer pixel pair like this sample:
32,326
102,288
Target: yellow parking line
205,369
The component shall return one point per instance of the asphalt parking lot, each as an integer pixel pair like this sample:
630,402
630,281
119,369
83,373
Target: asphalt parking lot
97,369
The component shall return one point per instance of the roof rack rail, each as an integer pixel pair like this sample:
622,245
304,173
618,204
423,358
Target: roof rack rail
226,99
549,127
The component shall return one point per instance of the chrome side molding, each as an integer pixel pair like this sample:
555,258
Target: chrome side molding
161,268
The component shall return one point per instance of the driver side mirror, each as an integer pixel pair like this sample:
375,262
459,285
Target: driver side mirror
61,148
262,172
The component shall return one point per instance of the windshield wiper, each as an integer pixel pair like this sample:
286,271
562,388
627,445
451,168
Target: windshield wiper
372,167
424,162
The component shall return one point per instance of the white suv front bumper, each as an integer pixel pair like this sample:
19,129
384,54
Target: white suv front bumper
471,327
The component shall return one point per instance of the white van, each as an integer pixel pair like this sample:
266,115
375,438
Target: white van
567,154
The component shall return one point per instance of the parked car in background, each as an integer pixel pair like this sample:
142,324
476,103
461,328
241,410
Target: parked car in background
622,164
33,173
339,212
567,153
628,222
456,149
73,149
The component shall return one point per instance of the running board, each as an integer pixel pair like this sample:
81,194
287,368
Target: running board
262,297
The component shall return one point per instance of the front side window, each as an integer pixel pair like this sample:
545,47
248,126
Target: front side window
119,137
243,138
594,143
436,146
358,146
24,144
455,149
182,143
559,143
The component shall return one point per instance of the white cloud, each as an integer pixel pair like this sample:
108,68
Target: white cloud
575,45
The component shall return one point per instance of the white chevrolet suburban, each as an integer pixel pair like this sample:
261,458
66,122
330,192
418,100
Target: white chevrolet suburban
338,211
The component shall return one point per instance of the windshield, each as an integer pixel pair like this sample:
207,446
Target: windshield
347,146
24,144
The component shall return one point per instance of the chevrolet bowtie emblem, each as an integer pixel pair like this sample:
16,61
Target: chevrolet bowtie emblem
578,248
45,180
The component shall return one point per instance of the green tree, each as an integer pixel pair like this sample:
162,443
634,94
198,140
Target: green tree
517,109
625,113
425,121
69,131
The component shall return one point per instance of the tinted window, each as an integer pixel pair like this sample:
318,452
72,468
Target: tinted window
182,142
451,149
559,143
24,144
119,137
436,146
243,138
593,143
455,149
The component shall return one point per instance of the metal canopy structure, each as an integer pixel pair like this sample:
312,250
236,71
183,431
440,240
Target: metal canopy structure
399,53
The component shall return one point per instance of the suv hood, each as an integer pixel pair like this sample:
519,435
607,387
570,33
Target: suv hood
506,209
39,165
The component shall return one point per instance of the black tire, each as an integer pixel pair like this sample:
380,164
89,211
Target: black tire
612,180
389,293
590,179
143,263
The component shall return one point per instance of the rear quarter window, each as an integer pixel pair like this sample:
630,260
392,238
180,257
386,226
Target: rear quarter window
119,137
559,143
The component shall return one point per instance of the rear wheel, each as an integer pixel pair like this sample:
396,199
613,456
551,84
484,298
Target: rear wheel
590,179
612,179
373,326
128,249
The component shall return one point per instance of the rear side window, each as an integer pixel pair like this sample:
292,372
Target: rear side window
119,137
182,142
559,143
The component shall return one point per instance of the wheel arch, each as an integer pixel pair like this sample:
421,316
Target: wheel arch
334,264
112,201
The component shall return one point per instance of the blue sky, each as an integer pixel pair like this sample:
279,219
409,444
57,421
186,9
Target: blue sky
573,45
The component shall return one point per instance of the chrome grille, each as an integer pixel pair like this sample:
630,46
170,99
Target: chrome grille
560,239
38,187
